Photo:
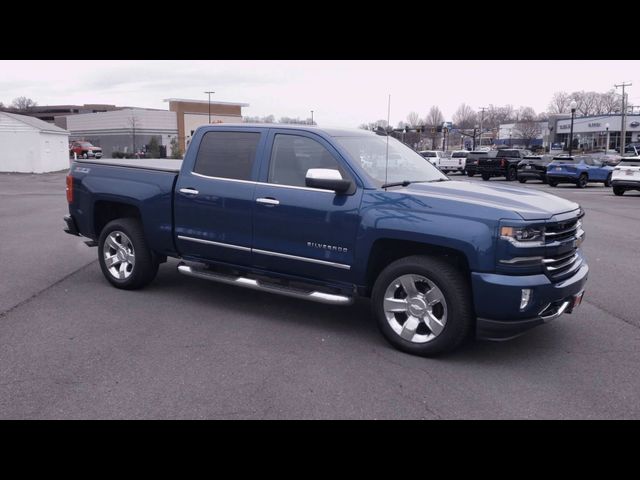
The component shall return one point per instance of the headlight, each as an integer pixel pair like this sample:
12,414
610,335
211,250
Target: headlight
522,234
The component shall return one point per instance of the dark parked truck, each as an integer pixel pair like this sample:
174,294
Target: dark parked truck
319,214
504,164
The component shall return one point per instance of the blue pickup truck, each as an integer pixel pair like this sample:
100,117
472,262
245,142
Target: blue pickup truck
322,214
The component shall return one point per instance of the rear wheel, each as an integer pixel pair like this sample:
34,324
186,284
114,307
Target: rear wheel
619,191
522,180
470,174
486,177
125,258
583,179
422,305
607,182
552,182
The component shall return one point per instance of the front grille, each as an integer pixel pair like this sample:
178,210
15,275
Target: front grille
557,232
562,265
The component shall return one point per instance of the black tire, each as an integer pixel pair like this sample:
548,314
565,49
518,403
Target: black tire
85,155
607,182
486,177
512,174
522,180
552,182
146,263
544,180
470,174
619,191
583,179
456,291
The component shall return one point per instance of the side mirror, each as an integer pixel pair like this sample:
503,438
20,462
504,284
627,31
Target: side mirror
327,179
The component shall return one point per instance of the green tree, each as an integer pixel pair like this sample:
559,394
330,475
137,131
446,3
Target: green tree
153,148
176,151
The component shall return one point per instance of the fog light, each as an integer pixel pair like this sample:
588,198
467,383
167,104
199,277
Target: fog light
525,297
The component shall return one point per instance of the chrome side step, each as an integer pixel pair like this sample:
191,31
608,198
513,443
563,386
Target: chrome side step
314,295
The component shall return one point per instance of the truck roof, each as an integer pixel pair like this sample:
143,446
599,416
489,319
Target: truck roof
331,131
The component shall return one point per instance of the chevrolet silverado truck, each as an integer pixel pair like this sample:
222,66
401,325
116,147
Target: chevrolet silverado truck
504,164
322,215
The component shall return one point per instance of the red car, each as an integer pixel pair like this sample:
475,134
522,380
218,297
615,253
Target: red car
84,150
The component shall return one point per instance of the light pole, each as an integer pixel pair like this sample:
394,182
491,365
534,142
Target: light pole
510,137
606,147
209,93
312,118
573,106
475,127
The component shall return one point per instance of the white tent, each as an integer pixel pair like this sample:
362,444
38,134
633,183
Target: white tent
31,145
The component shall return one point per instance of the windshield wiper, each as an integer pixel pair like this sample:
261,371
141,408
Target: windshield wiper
406,183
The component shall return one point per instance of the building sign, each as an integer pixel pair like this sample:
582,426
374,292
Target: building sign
563,127
634,124
594,124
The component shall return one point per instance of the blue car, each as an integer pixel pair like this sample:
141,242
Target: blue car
579,170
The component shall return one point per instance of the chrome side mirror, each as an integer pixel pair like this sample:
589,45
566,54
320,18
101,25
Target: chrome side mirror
327,179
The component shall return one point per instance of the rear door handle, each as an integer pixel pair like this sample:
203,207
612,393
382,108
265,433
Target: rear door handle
268,201
189,191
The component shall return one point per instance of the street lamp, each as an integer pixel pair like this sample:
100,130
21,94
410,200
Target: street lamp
606,147
312,118
573,106
509,137
209,93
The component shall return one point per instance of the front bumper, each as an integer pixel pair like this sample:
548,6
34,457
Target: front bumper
497,301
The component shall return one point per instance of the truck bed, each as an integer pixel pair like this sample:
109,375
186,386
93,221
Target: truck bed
161,164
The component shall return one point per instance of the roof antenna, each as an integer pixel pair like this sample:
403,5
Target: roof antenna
386,166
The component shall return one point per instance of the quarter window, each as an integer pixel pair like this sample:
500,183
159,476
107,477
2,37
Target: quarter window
227,154
293,155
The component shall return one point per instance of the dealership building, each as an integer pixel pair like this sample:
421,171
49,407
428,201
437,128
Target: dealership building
591,131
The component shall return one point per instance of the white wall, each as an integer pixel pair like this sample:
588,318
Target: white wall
33,152
121,119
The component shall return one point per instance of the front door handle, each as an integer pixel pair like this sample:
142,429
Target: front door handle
189,191
268,201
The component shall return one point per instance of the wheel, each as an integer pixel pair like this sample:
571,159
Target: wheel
583,179
470,174
522,180
607,182
619,191
125,259
423,305
544,180
512,174
552,182
85,155
486,177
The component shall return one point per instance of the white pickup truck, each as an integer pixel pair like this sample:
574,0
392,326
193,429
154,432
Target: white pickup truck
626,175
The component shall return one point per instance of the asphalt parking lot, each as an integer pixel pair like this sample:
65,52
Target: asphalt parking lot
71,346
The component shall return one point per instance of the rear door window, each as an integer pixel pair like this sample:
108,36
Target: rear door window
227,155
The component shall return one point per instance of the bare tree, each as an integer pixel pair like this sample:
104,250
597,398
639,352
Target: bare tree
527,130
560,102
495,115
609,102
23,103
525,114
134,123
413,119
465,117
434,118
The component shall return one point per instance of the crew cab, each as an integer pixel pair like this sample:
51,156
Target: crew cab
533,167
626,174
322,215
455,163
504,164
85,150
434,156
579,170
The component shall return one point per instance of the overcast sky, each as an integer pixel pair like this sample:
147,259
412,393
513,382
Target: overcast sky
341,93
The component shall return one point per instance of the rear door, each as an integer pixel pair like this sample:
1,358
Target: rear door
299,230
214,196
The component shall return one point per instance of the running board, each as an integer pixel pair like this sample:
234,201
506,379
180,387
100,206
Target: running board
314,296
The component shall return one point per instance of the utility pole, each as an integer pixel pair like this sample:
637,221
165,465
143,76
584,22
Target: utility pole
312,118
481,120
209,93
623,132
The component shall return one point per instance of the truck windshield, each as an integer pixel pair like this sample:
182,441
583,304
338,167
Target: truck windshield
404,163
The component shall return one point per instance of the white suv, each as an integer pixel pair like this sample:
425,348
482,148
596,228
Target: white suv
626,175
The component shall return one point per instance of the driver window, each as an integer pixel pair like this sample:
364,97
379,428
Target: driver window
293,155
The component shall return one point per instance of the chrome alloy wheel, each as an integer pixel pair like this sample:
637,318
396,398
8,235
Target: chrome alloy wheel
415,308
119,256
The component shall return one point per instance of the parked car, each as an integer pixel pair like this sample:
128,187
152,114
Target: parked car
505,164
294,210
434,156
84,150
626,175
534,167
455,163
579,170
471,164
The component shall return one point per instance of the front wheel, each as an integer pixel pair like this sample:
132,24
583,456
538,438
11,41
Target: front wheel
512,174
607,182
423,305
552,182
619,191
522,180
583,179
470,174
486,177
125,258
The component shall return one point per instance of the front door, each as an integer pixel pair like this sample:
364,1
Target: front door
299,230
214,200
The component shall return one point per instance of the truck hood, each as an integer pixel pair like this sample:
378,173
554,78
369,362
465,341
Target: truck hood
528,203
